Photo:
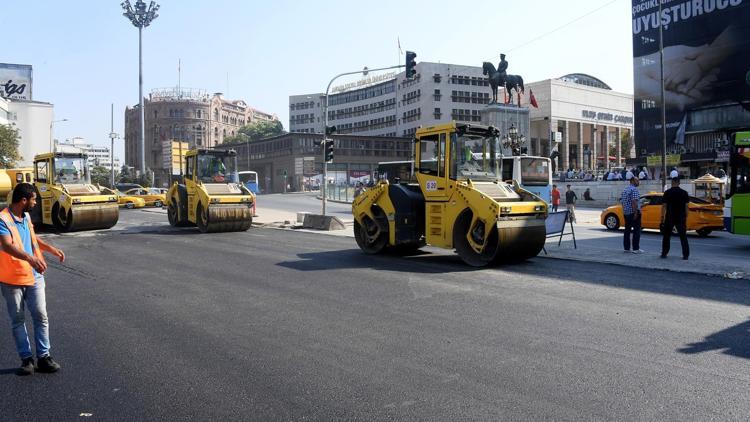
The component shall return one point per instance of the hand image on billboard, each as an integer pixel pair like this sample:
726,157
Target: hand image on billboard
690,73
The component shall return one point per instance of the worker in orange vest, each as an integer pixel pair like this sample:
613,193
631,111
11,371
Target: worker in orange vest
22,268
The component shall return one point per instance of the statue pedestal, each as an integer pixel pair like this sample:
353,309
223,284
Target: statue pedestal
503,116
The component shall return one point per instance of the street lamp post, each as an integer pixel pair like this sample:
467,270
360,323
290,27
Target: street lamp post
112,137
141,17
325,124
51,123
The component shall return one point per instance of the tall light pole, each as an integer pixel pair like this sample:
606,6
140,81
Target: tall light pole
112,137
663,108
141,17
364,71
51,123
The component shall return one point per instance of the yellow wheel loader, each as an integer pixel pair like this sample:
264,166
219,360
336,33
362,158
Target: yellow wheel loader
211,195
66,198
459,202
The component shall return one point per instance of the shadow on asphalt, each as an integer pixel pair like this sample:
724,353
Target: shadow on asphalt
8,371
733,341
419,262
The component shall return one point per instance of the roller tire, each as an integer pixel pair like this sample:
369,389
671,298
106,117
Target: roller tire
465,251
201,219
362,236
61,219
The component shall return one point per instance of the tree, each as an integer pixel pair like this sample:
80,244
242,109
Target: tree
9,154
100,176
125,175
626,144
254,131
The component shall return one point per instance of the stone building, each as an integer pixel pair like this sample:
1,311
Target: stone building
188,115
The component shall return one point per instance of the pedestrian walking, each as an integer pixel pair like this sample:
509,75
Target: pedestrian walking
555,198
631,208
570,203
22,268
674,211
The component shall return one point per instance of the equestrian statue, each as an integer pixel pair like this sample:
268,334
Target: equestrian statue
499,77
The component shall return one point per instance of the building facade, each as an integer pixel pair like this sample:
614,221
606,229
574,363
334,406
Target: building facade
579,121
391,105
98,155
295,159
187,115
33,120
705,81
578,115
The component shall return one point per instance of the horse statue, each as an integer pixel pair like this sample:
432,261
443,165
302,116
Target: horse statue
497,79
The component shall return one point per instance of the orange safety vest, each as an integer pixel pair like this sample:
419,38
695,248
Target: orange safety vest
13,270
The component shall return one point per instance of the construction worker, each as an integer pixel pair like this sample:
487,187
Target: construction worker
22,268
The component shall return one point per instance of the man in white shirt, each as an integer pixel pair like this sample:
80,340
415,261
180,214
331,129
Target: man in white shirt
642,175
629,174
611,176
674,173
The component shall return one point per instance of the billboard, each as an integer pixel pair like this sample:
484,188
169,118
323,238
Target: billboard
706,62
15,81
173,155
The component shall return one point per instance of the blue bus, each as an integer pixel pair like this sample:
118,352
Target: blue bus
534,174
250,180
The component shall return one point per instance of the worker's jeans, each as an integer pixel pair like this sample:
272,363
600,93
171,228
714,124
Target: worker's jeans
33,297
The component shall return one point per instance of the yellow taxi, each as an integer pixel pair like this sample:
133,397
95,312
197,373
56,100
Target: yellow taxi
126,201
153,196
703,216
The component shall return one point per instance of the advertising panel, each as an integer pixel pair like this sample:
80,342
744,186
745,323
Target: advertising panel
15,81
706,62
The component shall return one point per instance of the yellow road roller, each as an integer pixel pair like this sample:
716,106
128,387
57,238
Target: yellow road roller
459,202
210,195
67,199
9,178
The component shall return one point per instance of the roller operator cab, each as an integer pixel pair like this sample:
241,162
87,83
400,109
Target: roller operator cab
210,195
66,198
459,202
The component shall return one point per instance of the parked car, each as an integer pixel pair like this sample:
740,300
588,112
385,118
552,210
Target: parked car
127,201
151,198
703,216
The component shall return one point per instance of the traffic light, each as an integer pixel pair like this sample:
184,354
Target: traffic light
329,150
411,64
330,130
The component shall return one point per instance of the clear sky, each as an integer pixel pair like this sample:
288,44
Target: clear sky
85,53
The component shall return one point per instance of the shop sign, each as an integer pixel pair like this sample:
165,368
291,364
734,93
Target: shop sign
722,156
655,160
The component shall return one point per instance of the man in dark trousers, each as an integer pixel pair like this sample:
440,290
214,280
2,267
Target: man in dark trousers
570,203
674,211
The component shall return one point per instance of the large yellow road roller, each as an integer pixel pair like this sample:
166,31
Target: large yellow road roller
66,197
211,195
459,202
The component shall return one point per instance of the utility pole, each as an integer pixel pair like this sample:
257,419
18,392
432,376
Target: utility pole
663,108
112,136
141,17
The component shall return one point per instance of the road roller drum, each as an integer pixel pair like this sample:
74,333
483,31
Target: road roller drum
87,217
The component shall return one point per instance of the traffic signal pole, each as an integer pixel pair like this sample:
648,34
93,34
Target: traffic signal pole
323,186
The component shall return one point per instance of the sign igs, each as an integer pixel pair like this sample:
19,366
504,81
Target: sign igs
706,60
15,81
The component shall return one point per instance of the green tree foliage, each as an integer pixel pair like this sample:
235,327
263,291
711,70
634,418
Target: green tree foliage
126,176
626,144
9,154
255,131
101,176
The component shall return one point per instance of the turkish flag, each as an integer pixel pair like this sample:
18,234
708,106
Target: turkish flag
532,99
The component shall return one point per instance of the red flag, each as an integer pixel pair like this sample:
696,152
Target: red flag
532,99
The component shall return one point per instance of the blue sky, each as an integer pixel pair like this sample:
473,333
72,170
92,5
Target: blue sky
85,53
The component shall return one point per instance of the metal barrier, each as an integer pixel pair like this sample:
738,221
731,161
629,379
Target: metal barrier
555,226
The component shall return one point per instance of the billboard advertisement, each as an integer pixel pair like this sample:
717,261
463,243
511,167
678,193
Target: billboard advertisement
15,81
706,49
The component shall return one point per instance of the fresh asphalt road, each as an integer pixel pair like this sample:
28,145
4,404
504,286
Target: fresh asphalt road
155,323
